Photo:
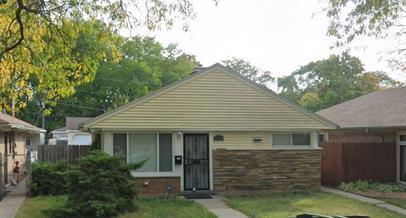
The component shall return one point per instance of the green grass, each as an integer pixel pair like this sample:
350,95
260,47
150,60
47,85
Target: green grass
32,207
398,202
147,208
289,205
155,208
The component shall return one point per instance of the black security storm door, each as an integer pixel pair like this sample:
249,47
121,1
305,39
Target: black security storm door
196,161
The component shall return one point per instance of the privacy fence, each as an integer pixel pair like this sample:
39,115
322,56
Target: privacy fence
348,162
51,153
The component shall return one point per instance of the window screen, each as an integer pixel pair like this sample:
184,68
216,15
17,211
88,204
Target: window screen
301,139
143,146
120,145
281,139
165,152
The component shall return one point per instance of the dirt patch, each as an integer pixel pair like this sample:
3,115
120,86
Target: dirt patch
376,194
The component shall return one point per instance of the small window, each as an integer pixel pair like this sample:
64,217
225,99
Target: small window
402,138
165,152
120,145
301,139
281,139
291,139
218,138
28,143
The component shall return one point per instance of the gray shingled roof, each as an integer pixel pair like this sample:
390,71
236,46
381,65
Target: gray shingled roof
385,108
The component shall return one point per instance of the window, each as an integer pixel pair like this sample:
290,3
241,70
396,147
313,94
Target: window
155,148
165,152
291,139
28,143
120,145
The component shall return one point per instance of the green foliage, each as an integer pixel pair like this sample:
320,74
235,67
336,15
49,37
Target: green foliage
351,20
48,47
100,185
325,83
146,65
49,178
363,185
249,71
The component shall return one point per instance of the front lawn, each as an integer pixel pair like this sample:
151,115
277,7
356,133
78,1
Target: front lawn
398,202
147,208
290,204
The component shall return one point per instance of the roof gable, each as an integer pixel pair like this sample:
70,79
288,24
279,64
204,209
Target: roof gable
212,99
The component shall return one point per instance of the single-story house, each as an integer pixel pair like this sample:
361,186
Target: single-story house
215,131
370,143
16,137
71,134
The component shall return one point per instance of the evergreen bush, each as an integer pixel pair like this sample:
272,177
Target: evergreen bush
100,185
49,178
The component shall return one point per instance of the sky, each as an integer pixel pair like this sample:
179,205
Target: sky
275,35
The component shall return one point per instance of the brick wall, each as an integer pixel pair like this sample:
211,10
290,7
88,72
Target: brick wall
157,185
261,171
361,136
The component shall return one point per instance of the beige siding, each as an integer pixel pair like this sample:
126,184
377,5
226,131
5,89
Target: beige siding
215,100
242,140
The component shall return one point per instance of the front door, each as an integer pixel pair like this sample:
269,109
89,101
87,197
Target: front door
196,161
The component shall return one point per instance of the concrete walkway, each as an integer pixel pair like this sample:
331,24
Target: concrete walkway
378,203
219,208
12,202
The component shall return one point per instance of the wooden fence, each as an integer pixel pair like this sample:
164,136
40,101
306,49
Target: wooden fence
69,153
348,162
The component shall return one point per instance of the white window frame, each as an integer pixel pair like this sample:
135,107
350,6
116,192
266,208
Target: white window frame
291,140
157,149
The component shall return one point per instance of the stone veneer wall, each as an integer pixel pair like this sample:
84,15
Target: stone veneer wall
157,185
260,171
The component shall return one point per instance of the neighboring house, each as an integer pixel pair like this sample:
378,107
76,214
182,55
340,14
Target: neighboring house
71,133
215,131
16,137
371,141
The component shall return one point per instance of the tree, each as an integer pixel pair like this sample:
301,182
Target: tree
40,42
351,19
325,83
146,65
249,71
54,70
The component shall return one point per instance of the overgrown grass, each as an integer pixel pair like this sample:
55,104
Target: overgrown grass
147,208
360,186
290,204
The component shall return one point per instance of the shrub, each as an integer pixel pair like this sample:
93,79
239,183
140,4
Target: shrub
360,186
100,185
49,178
